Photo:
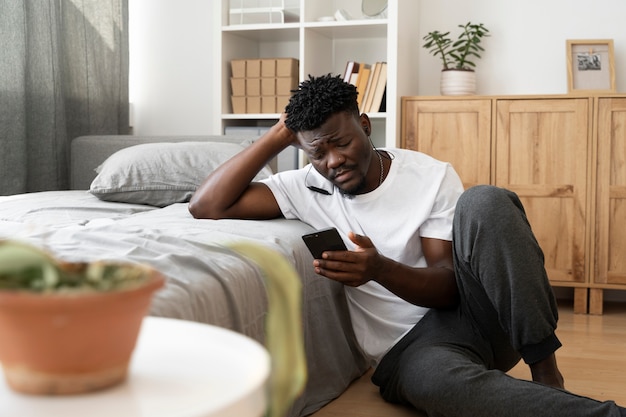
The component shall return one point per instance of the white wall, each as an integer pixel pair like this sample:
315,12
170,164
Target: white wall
172,61
525,53
174,52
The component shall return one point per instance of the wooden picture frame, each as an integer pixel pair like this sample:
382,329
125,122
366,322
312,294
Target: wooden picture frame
590,65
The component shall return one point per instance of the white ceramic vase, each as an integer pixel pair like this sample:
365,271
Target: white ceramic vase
458,82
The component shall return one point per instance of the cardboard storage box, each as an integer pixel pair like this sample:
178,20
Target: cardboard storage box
268,68
238,68
284,85
281,103
253,68
262,85
287,67
253,104
268,86
239,104
268,104
238,86
253,86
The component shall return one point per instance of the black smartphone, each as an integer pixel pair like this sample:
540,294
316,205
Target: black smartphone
323,240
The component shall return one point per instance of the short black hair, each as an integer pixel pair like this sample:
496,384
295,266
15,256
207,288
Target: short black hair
318,98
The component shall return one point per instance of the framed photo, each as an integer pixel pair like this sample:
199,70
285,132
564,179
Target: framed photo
590,65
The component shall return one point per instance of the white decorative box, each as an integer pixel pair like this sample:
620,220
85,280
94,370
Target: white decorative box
246,12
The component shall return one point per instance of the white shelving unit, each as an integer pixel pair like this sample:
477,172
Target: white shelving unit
324,47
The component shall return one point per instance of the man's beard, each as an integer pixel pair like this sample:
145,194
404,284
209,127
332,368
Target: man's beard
354,190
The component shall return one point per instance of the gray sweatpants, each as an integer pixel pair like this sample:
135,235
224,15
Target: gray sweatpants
453,362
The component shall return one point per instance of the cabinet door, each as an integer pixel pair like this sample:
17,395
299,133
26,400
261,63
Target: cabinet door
455,131
541,154
611,192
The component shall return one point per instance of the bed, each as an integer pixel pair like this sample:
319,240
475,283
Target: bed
134,209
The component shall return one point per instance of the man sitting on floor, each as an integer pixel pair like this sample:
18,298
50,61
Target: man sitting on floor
447,289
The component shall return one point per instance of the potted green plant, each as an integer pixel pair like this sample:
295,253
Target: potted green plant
458,76
68,327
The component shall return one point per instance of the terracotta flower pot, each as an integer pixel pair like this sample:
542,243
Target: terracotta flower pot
59,343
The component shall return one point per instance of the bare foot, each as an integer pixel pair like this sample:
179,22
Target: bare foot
547,372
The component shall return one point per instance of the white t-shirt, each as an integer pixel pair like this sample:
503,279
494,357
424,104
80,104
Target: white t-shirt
417,199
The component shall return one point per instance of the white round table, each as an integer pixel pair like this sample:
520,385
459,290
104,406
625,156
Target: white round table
179,369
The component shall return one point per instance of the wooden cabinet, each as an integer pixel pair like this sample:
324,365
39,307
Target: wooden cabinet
541,154
565,156
610,200
456,131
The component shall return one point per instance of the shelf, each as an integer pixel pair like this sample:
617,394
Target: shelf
353,29
377,115
250,116
260,27
264,33
324,47
356,29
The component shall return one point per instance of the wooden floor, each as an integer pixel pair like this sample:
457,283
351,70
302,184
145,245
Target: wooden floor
592,360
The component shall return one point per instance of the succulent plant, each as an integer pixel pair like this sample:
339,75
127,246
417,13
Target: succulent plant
26,267
457,54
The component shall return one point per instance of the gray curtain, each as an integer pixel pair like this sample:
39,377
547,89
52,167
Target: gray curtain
63,74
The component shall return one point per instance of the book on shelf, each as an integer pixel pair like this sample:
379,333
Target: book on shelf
371,88
351,67
370,82
379,91
353,78
383,104
365,94
361,81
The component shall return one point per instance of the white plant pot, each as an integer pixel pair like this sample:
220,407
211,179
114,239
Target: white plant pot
458,82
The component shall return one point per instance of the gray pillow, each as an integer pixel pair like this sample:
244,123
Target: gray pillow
160,174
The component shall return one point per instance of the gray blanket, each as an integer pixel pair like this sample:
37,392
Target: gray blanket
206,282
